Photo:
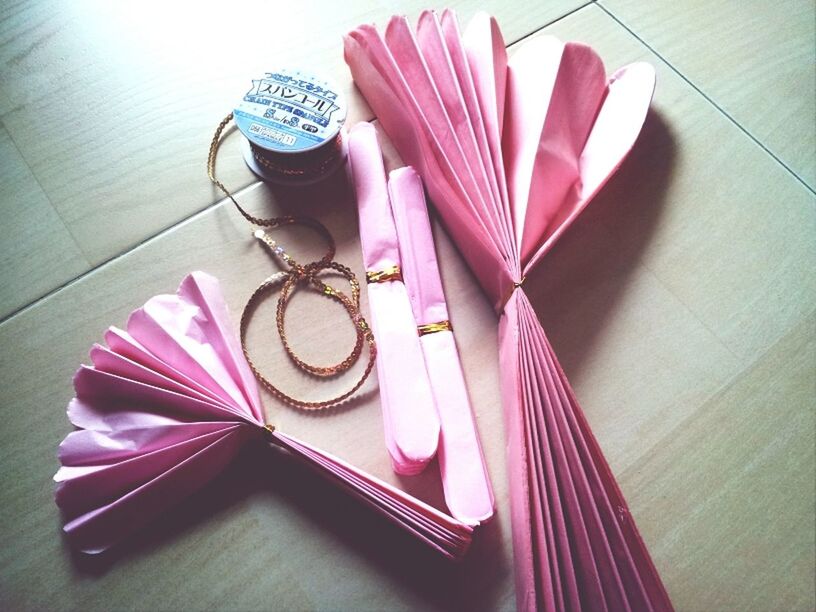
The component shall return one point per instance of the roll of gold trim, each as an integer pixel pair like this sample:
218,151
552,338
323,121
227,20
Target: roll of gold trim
311,164
382,276
432,328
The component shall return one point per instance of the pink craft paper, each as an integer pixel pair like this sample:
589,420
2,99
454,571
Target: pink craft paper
166,406
385,88
409,415
465,481
553,128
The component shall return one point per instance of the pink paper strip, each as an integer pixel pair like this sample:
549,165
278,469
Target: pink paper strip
465,480
409,414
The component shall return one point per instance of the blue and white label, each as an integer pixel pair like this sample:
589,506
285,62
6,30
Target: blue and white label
289,111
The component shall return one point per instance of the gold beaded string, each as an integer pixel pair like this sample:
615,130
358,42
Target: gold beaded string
286,293
289,281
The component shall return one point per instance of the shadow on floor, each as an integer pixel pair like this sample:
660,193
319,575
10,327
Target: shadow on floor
581,281
398,557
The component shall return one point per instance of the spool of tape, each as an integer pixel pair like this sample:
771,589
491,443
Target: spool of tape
292,123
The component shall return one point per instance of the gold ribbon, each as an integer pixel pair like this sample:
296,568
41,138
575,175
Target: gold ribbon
297,276
383,276
432,328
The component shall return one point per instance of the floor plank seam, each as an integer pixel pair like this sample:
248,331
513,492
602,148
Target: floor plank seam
107,262
37,182
549,23
705,96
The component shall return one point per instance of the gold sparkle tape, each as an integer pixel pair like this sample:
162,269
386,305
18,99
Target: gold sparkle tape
382,276
516,285
432,328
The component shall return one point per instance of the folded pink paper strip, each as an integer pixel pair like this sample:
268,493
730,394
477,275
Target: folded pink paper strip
409,415
465,480
166,406
511,153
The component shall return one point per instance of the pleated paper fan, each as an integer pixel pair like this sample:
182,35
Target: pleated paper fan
166,406
511,152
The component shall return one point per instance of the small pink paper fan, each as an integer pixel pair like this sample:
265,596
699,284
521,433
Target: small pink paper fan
166,406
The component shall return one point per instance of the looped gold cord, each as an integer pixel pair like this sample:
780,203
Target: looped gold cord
362,330
290,280
383,276
271,222
432,328
516,285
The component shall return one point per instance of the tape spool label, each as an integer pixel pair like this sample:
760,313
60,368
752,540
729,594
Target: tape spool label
289,111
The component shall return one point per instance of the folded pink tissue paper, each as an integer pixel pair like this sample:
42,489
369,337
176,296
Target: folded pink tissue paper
423,394
511,152
465,481
409,415
166,405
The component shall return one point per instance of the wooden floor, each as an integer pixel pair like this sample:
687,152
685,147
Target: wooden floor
682,304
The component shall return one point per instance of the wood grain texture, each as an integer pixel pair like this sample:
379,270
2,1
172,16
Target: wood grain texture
37,252
740,509
113,105
681,305
755,59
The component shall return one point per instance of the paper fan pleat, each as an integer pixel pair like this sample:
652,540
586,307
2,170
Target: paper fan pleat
414,140
125,346
91,383
431,44
106,360
89,448
440,531
93,485
458,55
99,529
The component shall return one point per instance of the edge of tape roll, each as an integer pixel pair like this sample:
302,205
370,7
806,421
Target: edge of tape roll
292,124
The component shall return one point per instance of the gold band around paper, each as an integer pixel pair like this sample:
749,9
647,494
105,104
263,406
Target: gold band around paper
382,276
432,328
516,285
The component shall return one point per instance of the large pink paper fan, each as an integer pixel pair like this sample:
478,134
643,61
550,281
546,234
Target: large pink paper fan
511,151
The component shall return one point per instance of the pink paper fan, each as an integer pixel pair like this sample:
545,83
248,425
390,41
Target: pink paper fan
511,152
166,406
